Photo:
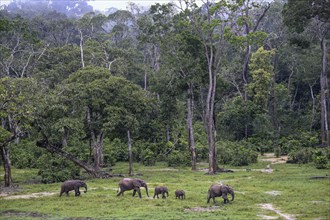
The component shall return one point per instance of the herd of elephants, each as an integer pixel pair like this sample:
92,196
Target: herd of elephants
216,190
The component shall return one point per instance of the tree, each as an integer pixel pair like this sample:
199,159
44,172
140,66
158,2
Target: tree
100,104
314,15
17,104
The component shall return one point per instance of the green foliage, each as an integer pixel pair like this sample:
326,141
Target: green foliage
115,150
178,158
301,156
25,154
262,73
235,153
321,158
54,169
235,116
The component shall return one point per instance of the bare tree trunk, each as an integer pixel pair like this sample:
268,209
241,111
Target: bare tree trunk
54,149
81,49
130,156
191,138
209,115
5,154
97,142
324,97
313,107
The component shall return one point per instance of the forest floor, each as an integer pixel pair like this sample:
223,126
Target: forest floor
282,193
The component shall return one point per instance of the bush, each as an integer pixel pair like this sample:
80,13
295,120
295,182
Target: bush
235,153
56,169
178,158
321,158
25,154
301,156
321,162
149,157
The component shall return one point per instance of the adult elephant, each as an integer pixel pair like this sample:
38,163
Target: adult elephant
132,184
217,190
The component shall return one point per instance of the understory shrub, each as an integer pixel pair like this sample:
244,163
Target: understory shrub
56,169
178,158
320,157
25,154
301,156
236,153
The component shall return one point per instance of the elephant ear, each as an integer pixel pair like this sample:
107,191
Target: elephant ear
136,183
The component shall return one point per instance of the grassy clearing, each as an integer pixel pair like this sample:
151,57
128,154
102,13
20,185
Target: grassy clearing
288,189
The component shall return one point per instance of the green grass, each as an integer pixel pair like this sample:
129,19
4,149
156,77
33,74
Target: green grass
298,195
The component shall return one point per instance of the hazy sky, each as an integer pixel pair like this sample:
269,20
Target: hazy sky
121,4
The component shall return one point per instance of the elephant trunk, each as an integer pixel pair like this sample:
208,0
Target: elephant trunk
232,195
85,188
147,191
208,196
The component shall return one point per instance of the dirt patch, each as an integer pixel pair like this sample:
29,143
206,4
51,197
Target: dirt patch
203,209
13,213
27,196
273,193
270,207
270,157
266,217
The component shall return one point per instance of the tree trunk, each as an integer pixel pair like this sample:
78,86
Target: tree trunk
191,138
5,154
96,140
324,99
55,149
98,150
130,157
81,49
209,115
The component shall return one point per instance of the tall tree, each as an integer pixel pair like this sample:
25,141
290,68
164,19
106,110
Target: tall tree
17,102
314,16
208,23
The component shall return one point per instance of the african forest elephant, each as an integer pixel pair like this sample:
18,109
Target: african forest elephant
161,190
180,194
70,185
217,190
132,184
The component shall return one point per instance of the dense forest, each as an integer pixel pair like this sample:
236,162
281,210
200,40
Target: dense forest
180,83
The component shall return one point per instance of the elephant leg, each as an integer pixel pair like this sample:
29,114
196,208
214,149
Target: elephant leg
139,191
225,198
77,192
134,192
67,193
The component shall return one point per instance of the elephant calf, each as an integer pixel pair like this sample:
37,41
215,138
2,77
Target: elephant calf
161,190
70,185
217,190
180,194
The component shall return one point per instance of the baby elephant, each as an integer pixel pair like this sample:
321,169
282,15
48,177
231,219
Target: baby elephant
180,194
161,190
217,190
70,185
